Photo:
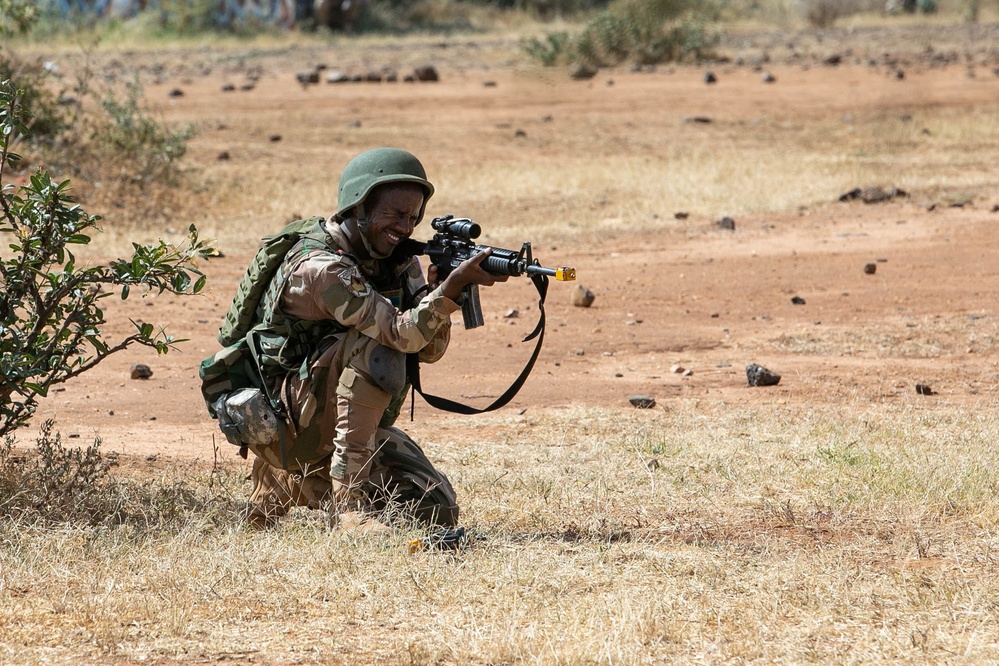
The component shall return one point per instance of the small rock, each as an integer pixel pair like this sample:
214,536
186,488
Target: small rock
995,208
769,78
140,371
870,268
228,87
924,389
511,314
797,300
833,60
642,401
581,297
520,134
681,215
375,77
176,92
709,77
652,464
274,138
899,74
677,369
726,223
223,156
489,84
703,120
246,87
151,458
426,73
757,375
305,78
336,76
582,71
580,352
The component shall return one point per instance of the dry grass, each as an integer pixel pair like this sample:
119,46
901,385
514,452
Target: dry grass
755,535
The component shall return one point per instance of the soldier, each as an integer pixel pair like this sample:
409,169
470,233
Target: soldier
350,309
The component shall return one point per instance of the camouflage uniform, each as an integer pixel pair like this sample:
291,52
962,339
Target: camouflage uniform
342,448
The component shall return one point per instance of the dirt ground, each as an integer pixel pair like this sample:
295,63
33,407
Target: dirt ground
708,302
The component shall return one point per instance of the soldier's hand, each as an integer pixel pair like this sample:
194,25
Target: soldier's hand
469,272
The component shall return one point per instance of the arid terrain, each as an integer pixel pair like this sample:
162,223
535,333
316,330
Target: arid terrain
673,293
841,516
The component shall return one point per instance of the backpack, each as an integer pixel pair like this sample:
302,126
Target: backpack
238,365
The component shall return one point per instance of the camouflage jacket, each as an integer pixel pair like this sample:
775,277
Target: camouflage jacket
371,296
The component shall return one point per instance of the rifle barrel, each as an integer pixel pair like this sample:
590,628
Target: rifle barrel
563,274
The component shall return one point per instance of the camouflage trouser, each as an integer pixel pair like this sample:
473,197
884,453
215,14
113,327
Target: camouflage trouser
402,480
342,449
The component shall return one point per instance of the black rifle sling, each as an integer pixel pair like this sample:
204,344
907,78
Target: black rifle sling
413,365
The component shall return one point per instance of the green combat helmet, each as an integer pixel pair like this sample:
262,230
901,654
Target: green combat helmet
370,169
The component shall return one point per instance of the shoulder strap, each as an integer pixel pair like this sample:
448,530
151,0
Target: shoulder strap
413,365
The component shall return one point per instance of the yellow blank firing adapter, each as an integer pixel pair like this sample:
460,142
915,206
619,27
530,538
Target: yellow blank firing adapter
565,274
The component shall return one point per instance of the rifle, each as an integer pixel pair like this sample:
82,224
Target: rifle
453,244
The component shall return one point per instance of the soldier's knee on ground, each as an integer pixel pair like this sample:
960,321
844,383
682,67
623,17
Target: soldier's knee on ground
275,491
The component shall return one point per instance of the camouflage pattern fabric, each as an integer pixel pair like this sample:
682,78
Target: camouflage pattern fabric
402,483
335,406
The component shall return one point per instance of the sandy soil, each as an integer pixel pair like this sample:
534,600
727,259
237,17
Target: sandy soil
709,301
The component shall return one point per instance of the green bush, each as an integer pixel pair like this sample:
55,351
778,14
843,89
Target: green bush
50,314
640,31
127,133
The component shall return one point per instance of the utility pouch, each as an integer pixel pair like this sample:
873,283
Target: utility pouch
246,418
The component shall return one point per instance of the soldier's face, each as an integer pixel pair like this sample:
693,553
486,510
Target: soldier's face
393,215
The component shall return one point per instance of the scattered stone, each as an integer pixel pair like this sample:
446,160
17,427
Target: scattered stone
176,92
833,60
375,77
995,208
305,78
899,74
228,87
681,215
336,76
580,352
426,73
870,268
769,78
511,314
709,77
872,195
409,78
677,369
391,76
246,87
726,223
797,300
757,375
581,297
520,134
489,84
274,138
652,464
223,156
140,371
642,401
581,71
703,120
687,373
924,389
354,124
151,458
960,203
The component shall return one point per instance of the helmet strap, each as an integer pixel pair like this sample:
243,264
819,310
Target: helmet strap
362,229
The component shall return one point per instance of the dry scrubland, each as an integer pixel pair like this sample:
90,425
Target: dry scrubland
746,530
852,534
